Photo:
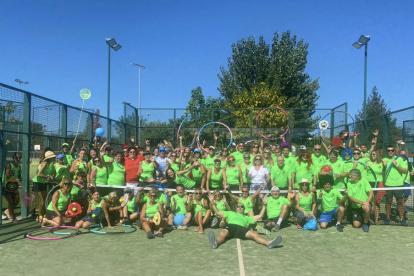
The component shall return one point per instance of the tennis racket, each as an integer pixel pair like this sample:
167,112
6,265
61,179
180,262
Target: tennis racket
125,202
74,209
12,185
157,218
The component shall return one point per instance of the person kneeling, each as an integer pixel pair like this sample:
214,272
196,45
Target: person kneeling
328,199
94,214
360,193
237,226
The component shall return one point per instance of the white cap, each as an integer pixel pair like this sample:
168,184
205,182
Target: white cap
274,188
303,147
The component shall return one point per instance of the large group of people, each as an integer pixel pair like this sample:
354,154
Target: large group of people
231,188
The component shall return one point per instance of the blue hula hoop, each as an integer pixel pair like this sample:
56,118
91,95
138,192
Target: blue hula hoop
353,122
179,128
231,134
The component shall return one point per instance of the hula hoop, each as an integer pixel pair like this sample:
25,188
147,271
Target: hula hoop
231,134
51,230
179,128
133,229
319,127
257,122
389,168
365,164
65,227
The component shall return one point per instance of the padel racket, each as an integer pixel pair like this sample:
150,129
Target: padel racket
74,209
12,185
157,218
125,202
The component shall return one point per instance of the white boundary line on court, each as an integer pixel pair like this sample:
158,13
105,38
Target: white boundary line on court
241,264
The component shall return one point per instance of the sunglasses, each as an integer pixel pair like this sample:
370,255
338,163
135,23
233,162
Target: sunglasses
18,158
224,150
231,160
153,196
305,155
390,150
246,157
356,153
347,154
197,193
239,206
97,160
266,152
258,159
256,147
305,184
316,149
161,151
132,151
353,175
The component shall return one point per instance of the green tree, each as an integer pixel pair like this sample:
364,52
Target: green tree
376,109
281,68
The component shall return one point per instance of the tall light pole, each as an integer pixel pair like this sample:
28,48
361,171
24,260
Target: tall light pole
111,44
363,40
139,98
18,110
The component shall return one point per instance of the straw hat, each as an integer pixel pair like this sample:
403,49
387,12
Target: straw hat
49,154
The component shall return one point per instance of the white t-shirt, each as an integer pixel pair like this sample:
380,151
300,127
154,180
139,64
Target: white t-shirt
259,176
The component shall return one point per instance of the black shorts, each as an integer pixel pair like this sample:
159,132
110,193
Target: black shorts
39,187
89,218
236,231
52,214
357,214
398,194
4,192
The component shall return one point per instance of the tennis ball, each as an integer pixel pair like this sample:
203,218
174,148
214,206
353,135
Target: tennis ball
121,199
40,217
74,209
93,215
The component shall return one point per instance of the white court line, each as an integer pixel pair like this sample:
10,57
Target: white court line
239,252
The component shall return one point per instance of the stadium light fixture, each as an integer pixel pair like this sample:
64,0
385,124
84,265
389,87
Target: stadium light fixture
139,97
111,45
363,41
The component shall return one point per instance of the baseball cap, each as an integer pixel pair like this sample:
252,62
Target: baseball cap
303,147
274,188
125,146
65,145
60,156
161,149
197,150
211,147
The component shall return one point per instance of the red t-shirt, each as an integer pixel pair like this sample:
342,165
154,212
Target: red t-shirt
131,168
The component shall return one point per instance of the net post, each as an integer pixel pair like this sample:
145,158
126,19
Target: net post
26,147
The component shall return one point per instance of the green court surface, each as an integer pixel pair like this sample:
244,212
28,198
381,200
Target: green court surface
385,250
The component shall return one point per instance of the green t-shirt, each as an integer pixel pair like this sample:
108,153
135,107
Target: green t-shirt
67,159
245,168
305,202
62,204
199,207
61,171
151,210
394,178
238,219
359,191
330,199
248,204
17,170
238,156
301,171
147,171
209,161
232,175
216,180
289,161
274,206
116,174
318,162
375,170
338,168
180,207
184,180
281,176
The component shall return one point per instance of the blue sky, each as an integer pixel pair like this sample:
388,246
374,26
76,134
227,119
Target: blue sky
59,47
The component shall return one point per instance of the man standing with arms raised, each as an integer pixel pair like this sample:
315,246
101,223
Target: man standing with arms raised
318,161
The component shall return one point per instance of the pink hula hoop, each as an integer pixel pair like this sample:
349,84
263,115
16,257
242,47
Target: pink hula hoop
257,122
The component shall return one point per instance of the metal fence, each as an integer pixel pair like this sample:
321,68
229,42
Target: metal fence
28,120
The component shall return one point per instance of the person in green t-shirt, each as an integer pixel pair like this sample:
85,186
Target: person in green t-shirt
238,155
10,186
328,199
318,161
279,174
238,226
303,168
277,209
248,201
338,170
360,194
406,177
94,213
178,206
305,203
56,209
394,178
201,208
147,217
112,209
222,205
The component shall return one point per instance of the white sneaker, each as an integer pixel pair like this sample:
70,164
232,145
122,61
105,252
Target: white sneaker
4,217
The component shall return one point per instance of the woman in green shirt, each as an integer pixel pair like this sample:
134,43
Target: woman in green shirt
305,203
45,172
215,177
222,205
147,214
57,207
11,174
243,169
80,164
116,170
146,169
231,175
378,167
201,209
99,176
95,212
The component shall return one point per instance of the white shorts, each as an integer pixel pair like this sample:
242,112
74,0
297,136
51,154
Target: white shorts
133,185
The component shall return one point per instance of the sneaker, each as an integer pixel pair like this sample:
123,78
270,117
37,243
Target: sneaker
182,227
276,228
403,222
4,217
139,224
275,242
365,227
340,228
150,235
387,221
261,230
159,235
212,240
